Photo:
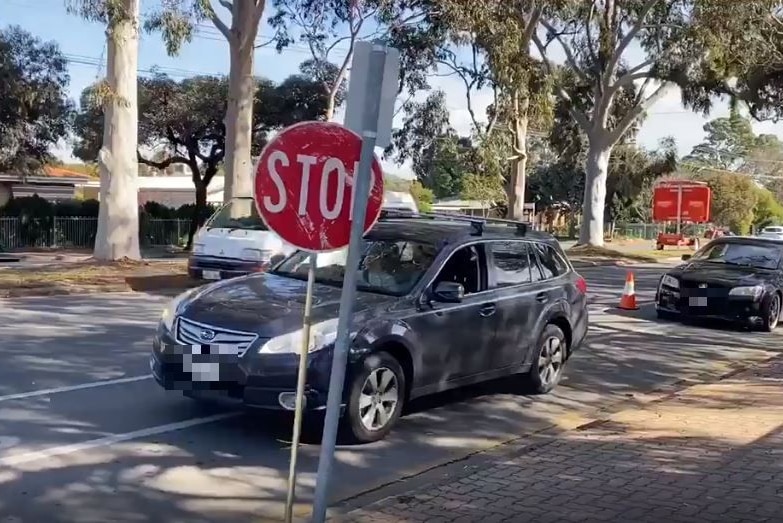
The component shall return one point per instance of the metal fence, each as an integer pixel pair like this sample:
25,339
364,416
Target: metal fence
79,232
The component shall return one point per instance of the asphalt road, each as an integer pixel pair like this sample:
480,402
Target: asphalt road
86,435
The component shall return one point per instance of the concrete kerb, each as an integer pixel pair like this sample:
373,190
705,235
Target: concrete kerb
468,464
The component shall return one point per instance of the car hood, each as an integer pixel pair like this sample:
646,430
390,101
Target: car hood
722,274
272,305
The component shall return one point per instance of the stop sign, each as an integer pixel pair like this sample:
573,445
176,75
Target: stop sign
304,185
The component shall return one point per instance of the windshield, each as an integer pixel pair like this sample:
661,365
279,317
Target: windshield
390,267
239,213
748,255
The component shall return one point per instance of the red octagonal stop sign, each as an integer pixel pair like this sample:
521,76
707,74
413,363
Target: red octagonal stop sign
304,185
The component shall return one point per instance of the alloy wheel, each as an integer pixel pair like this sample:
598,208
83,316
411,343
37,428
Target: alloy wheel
774,311
378,399
550,361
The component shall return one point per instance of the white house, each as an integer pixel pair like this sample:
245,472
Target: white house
171,191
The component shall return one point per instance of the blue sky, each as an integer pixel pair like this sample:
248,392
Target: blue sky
83,44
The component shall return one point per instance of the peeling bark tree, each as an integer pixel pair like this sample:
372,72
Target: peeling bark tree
118,218
177,20
595,38
499,34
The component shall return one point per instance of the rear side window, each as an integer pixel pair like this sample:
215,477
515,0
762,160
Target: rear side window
511,263
550,262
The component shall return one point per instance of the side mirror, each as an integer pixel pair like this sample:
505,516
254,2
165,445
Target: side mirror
686,257
448,292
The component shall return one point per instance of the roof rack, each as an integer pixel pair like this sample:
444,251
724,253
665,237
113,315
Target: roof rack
476,223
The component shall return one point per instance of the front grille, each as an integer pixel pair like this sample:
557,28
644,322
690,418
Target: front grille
189,333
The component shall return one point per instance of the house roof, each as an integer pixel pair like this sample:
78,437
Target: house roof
59,172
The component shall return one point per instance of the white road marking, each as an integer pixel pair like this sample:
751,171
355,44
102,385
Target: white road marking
19,459
69,388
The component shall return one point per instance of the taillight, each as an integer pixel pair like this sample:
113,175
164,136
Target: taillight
581,284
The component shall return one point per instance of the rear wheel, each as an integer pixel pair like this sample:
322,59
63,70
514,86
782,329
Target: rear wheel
770,312
376,399
549,360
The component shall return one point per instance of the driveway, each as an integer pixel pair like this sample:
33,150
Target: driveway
87,436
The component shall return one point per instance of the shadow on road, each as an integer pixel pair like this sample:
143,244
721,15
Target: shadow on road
235,469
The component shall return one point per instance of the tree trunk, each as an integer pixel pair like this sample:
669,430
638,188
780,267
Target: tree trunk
239,112
118,218
516,183
596,170
196,219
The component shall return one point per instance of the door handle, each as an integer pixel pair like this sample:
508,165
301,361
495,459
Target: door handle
487,310
541,297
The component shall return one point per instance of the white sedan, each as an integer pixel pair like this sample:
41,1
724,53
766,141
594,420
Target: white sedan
775,232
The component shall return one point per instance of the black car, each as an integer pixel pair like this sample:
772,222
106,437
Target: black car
735,279
442,302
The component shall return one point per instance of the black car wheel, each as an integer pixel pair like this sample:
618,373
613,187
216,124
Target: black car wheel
377,394
548,362
770,311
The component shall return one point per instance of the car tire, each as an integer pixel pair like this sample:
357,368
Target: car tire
376,398
771,310
551,353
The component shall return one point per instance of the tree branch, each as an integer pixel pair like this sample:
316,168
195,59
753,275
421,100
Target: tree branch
161,165
577,114
617,55
570,58
216,21
625,123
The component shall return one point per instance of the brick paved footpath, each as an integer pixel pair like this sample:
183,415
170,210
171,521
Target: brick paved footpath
710,453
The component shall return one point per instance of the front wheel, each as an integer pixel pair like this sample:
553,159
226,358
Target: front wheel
770,313
376,399
549,360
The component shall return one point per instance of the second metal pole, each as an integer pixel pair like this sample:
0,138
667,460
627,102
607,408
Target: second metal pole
301,380
361,186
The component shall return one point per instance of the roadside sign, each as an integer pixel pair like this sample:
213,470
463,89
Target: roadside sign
681,202
356,101
304,185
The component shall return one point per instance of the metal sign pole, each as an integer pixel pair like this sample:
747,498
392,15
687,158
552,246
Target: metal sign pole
679,209
340,358
300,386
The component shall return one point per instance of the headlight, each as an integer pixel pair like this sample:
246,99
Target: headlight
755,291
670,281
321,335
171,310
256,255
198,248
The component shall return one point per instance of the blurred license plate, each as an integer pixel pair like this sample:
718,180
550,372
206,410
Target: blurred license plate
211,275
697,302
203,371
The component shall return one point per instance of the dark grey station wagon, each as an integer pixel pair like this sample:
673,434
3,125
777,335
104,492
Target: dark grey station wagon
444,301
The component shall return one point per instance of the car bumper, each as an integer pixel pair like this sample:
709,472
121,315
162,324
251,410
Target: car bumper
734,309
252,380
202,267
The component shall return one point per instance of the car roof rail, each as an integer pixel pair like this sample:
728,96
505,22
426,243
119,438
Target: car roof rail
477,223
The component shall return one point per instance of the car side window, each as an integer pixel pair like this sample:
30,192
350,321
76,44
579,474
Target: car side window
511,263
464,266
550,264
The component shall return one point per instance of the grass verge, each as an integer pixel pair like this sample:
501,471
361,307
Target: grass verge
619,254
92,276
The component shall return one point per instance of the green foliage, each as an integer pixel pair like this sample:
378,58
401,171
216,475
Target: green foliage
728,142
734,197
768,210
488,190
423,196
35,112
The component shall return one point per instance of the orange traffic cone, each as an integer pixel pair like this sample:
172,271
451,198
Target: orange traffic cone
628,301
